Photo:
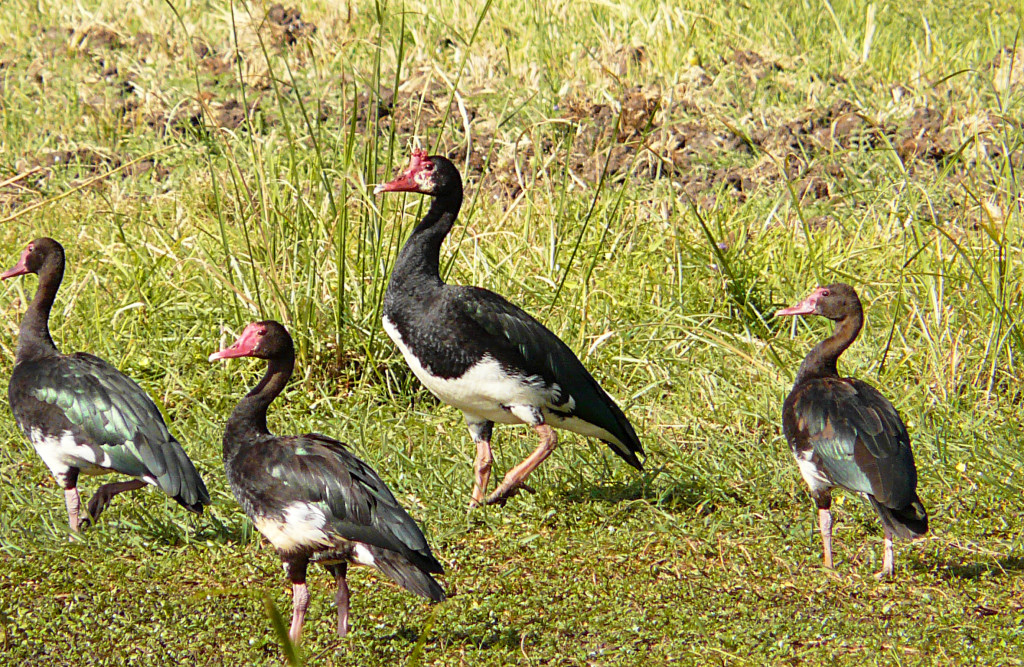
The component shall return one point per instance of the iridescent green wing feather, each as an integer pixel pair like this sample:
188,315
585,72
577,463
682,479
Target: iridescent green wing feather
358,504
108,409
860,439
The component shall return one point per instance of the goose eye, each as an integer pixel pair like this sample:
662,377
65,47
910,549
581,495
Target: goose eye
825,292
262,332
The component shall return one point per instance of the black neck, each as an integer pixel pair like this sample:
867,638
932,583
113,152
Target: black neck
420,258
250,415
821,362
34,341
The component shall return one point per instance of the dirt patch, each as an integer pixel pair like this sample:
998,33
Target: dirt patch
287,26
318,109
189,118
923,137
372,106
814,182
201,49
754,64
54,39
208,60
117,106
635,112
612,140
90,161
231,114
184,118
215,66
694,139
421,102
85,157
143,41
97,37
839,125
928,134
629,58
634,136
1007,69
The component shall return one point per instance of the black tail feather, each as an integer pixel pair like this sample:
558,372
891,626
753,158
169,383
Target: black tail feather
182,481
406,574
628,455
907,523
629,445
195,508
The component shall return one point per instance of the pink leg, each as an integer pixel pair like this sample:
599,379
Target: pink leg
888,558
825,528
106,493
514,478
73,502
341,599
482,470
339,570
300,602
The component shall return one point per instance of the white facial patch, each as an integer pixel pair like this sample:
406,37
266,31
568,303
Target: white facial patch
423,180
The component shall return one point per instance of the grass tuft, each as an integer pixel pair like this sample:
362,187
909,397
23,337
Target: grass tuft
651,181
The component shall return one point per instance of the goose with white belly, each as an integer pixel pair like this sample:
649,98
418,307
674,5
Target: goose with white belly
311,498
82,415
845,434
483,355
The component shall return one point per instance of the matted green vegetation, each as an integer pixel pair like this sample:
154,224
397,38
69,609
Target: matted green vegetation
651,180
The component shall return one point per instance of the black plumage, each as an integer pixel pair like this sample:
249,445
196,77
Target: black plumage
310,496
524,346
844,433
83,415
478,352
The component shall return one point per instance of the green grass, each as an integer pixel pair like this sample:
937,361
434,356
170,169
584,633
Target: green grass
646,208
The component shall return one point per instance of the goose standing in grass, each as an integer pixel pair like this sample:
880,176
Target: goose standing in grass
82,415
479,353
844,433
312,498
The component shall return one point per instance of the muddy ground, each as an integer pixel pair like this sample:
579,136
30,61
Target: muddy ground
691,134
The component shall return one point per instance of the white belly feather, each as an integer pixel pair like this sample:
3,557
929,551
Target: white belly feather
301,528
815,478
486,390
304,527
361,555
63,452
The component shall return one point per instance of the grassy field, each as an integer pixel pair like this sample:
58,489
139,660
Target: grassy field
652,180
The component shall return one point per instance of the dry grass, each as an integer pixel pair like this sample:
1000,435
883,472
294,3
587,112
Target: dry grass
651,181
